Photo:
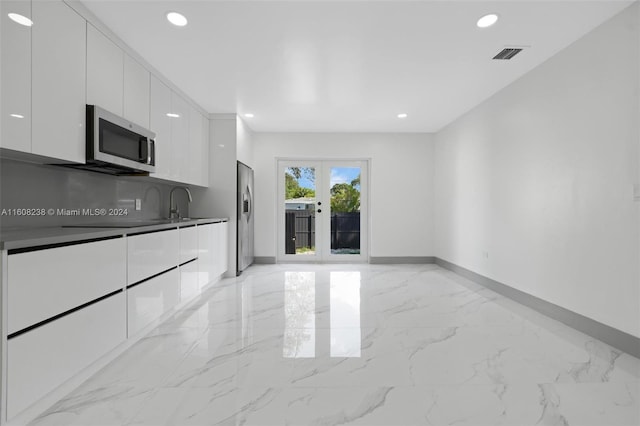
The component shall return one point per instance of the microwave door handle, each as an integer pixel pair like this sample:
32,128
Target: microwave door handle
145,145
149,150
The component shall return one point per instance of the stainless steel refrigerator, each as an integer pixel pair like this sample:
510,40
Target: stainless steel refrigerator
245,217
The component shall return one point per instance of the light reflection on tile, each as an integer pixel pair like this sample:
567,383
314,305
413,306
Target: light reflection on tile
358,345
345,313
300,315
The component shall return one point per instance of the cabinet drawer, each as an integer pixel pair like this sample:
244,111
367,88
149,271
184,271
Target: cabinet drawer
147,301
45,283
188,244
189,286
150,254
45,357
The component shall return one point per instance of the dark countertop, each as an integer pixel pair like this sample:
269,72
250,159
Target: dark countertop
19,238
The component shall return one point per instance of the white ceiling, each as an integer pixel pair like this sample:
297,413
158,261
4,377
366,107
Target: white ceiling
347,66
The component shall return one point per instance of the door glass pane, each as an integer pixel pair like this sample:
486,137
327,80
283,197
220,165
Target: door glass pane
345,210
300,213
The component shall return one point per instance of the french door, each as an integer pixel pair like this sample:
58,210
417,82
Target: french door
322,210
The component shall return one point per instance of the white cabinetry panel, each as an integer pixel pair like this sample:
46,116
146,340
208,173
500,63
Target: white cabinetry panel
136,92
203,156
45,283
150,299
15,62
150,254
212,252
192,160
189,285
44,358
160,123
180,138
188,243
205,260
105,72
223,251
58,81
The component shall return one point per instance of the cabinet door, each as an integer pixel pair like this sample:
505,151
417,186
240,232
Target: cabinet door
58,81
180,138
205,260
192,163
160,123
188,244
75,275
189,286
151,254
223,248
136,92
15,61
149,300
204,153
216,254
47,356
105,71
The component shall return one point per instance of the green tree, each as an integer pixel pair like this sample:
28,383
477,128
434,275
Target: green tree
345,198
299,172
293,188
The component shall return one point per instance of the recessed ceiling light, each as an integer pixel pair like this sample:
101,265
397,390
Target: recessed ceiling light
221,145
16,115
177,19
403,115
249,115
173,115
487,20
22,20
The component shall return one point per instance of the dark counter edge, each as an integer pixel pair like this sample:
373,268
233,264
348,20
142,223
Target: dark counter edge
82,234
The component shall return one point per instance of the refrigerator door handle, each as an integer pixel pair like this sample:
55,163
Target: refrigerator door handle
249,203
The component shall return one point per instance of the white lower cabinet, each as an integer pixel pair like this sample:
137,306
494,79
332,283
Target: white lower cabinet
150,299
189,284
223,252
188,244
42,359
205,255
152,253
70,305
212,252
65,277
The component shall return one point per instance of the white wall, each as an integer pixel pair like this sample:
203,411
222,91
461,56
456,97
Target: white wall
534,187
401,185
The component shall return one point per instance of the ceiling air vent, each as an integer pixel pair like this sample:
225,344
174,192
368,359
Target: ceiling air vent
508,53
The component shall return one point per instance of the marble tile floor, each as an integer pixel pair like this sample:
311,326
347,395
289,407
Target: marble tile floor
358,345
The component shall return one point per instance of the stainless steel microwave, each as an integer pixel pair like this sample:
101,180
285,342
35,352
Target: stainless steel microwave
118,146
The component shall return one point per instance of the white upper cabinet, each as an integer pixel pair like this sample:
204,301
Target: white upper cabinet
50,71
180,138
192,160
136,92
58,81
203,157
160,123
15,61
105,72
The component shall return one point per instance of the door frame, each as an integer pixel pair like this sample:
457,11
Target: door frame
323,255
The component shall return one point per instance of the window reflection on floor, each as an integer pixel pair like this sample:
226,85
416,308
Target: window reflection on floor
345,314
344,337
300,315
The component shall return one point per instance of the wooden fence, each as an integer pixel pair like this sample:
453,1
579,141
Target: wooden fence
300,229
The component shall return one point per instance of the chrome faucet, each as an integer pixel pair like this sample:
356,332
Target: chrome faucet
173,210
